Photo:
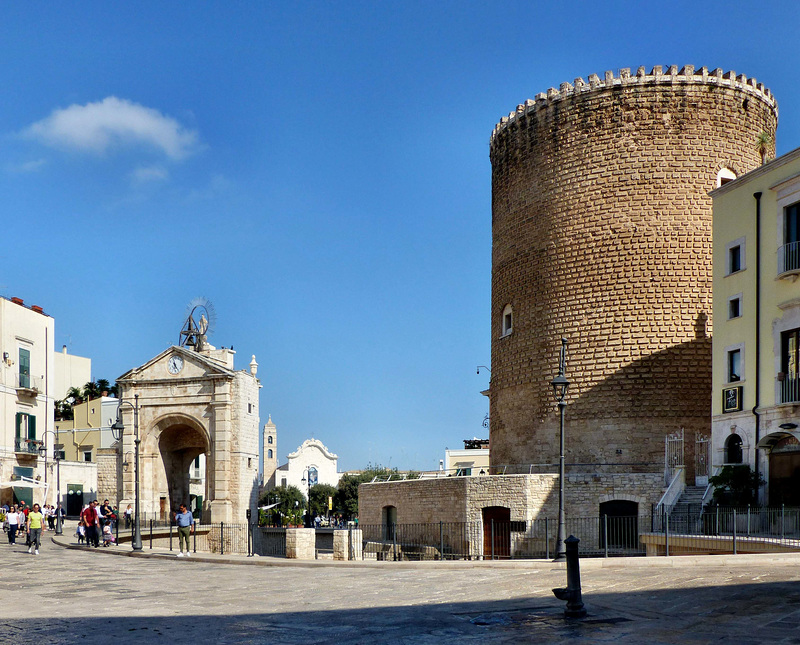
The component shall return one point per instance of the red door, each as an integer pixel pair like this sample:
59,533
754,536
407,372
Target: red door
496,532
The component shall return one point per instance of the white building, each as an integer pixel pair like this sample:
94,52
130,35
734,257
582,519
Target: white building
472,460
311,464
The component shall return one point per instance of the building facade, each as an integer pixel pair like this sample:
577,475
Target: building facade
191,403
756,382
311,464
601,233
269,454
472,460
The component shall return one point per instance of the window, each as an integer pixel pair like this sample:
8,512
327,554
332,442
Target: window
87,455
734,365
24,367
283,482
790,366
269,440
249,408
789,253
25,439
61,455
249,462
269,453
733,449
734,259
724,176
508,321
735,306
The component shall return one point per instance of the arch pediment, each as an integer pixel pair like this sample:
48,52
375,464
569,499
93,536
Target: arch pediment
193,366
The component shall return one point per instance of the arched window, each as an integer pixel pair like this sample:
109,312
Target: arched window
733,449
389,520
269,439
269,454
724,176
508,320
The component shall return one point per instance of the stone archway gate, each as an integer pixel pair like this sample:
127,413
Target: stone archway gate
191,403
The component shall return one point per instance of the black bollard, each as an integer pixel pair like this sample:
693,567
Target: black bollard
572,592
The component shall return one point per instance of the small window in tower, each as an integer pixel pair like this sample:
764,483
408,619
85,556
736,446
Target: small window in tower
508,320
269,454
724,176
269,439
249,408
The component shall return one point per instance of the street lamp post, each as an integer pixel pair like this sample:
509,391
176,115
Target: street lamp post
560,385
57,457
307,480
119,428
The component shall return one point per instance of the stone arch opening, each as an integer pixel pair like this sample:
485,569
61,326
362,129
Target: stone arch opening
619,524
733,449
179,444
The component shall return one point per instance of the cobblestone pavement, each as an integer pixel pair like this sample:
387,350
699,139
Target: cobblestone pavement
67,596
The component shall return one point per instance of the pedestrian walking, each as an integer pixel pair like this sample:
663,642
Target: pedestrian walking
185,522
13,519
35,527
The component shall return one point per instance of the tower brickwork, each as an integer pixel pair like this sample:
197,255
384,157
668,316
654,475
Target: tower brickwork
601,233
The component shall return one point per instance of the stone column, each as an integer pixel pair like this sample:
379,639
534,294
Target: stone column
221,507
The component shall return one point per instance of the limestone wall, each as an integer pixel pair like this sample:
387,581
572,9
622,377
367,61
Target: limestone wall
601,229
245,453
109,482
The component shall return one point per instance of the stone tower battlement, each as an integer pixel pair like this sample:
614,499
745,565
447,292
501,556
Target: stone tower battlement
672,76
601,233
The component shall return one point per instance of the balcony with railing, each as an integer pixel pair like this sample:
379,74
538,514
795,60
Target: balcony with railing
790,389
26,446
26,384
789,259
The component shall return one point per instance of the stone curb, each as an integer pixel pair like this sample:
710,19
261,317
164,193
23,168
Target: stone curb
683,561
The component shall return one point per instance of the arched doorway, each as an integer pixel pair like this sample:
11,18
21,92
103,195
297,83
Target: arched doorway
733,449
179,445
784,472
620,518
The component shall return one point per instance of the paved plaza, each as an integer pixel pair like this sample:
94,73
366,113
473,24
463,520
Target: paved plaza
69,595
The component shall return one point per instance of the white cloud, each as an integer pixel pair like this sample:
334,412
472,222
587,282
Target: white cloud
144,174
113,122
27,166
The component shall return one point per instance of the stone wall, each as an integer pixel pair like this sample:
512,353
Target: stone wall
245,453
109,483
601,233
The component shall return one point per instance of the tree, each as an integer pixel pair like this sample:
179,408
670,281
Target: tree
291,503
736,486
318,498
346,500
763,145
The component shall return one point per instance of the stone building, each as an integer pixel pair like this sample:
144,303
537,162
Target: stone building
269,453
756,399
192,402
601,233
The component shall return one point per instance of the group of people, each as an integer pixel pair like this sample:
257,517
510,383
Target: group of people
97,520
22,518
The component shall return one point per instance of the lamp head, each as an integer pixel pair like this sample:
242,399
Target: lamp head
560,385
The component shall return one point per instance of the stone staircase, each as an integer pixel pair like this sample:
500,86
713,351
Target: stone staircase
686,512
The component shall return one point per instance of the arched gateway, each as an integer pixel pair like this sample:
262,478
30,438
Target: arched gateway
199,430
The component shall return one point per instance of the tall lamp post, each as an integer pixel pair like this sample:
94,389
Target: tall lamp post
307,474
57,457
118,428
560,385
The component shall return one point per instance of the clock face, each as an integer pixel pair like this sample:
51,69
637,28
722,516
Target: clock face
175,364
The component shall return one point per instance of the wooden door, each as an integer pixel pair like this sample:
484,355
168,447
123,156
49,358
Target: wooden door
496,532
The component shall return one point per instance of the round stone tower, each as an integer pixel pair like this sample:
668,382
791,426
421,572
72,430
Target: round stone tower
601,233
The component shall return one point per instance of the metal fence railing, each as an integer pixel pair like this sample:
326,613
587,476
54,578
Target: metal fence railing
716,531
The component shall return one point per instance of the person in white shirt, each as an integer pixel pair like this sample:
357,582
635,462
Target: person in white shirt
13,524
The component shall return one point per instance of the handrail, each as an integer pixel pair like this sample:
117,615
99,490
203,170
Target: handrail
674,490
710,487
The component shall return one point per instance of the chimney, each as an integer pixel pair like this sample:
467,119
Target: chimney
37,309
18,301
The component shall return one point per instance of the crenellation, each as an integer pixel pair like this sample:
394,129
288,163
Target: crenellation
688,74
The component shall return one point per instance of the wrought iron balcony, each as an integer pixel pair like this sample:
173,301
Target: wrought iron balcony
790,389
27,446
789,259
27,384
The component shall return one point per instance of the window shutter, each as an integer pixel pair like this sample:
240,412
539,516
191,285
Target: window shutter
19,425
31,427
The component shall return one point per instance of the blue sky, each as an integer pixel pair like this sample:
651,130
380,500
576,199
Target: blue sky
319,171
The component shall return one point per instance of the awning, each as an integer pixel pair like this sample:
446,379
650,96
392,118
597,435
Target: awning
769,441
22,484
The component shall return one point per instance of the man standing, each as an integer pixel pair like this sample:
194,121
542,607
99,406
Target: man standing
91,518
185,523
